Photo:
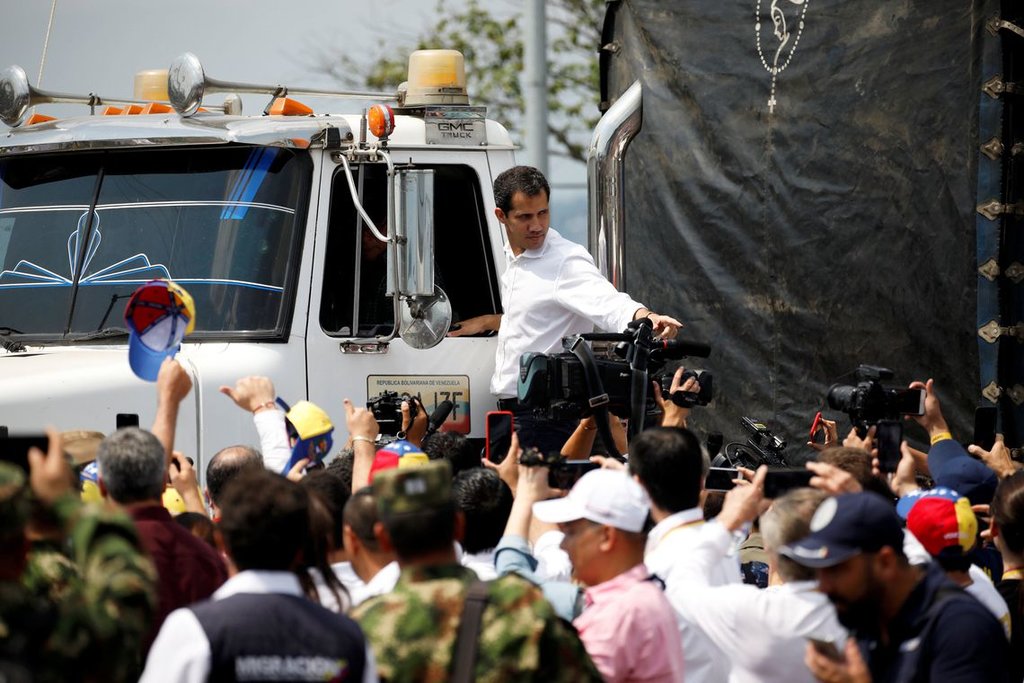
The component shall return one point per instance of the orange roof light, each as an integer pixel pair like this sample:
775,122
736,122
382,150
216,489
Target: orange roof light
284,106
380,119
157,108
112,111
39,118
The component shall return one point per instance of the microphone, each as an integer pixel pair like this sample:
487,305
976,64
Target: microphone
681,348
437,418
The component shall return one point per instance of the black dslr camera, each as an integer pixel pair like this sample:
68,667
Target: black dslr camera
868,402
387,410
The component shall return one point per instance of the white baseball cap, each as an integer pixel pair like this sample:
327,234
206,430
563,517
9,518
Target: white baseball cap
608,497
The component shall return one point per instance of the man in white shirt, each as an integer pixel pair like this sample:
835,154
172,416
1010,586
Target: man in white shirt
486,501
763,632
376,569
259,625
550,289
669,464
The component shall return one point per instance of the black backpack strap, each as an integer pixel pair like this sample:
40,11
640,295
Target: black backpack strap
467,640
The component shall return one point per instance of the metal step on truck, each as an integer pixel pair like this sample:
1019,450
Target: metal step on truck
274,223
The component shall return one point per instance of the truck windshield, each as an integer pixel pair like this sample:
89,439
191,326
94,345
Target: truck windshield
80,232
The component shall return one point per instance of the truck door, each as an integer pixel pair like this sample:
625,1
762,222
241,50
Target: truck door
351,311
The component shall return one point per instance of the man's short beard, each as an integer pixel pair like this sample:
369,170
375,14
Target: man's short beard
862,614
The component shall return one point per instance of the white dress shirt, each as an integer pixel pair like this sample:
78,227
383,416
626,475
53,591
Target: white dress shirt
669,542
763,633
181,651
549,293
553,563
481,563
273,438
382,582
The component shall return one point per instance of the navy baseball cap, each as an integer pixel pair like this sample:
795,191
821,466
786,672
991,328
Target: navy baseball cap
845,526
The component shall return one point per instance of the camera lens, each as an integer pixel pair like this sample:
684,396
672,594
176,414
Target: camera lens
839,396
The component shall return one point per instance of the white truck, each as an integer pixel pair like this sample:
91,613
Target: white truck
269,221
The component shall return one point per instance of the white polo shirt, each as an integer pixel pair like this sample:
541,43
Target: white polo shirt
549,293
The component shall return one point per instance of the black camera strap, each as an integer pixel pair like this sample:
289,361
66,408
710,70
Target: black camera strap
598,397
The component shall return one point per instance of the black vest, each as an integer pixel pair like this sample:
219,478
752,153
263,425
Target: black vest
275,637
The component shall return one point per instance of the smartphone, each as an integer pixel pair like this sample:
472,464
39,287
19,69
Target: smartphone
127,420
888,435
826,648
721,479
14,448
815,425
779,481
498,428
911,401
985,426
565,474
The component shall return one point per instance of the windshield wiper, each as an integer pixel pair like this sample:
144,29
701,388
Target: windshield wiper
105,333
9,330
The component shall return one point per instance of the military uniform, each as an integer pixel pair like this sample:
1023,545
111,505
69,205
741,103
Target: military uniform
49,572
412,629
95,630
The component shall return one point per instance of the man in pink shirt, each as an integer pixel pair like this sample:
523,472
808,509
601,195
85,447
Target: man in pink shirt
627,624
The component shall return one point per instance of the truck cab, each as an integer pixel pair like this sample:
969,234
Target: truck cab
266,221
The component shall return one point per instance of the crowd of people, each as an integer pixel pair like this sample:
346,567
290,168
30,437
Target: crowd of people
450,567
422,561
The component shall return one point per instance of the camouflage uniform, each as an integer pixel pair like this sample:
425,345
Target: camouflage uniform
412,629
50,572
95,630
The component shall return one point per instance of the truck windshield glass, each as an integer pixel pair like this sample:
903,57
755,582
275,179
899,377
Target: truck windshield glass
80,232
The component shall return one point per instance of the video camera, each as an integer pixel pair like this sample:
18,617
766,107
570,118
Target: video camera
688,399
576,384
868,402
762,448
387,410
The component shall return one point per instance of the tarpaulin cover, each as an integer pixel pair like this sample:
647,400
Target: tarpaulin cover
810,228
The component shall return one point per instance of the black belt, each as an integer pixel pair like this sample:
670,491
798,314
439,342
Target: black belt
508,404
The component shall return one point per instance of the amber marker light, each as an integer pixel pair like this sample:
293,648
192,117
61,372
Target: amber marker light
380,120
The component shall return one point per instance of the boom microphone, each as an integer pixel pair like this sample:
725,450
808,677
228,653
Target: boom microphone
437,418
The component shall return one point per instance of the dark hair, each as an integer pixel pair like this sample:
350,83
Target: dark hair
459,451
133,465
330,489
416,534
525,179
361,515
486,501
953,561
200,525
316,552
264,520
857,463
670,466
341,466
225,464
1008,511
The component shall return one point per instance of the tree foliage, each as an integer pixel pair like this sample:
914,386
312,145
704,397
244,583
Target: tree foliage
492,44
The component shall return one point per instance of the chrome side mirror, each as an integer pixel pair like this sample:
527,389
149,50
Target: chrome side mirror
426,314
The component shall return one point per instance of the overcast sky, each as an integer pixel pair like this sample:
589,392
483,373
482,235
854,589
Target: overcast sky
98,45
